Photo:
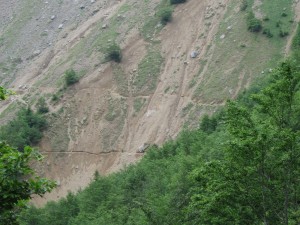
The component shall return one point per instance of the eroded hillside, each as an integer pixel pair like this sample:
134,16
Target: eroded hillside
168,78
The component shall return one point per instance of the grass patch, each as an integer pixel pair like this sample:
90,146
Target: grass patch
186,109
138,104
154,23
121,80
257,54
148,71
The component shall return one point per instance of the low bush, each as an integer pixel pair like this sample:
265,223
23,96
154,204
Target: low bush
71,77
254,24
244,5
113,53
165,15
42,106
177,1
283,33
267,32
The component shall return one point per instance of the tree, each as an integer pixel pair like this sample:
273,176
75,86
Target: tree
257,182
71,77
18,182
25,129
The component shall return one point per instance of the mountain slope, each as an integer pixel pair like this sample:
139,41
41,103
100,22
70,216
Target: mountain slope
101,122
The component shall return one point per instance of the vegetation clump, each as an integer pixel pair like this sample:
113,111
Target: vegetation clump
26,129
254,24
244,5
18,181
114,53
177,1
71,77
165,15
268,33
42,106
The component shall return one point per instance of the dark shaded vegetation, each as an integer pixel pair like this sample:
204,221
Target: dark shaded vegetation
26,129
254,24
113,53
177,1
18,181
240,167
42,106
165,15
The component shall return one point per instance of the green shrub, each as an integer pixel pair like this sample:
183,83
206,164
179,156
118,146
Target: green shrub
25,129
267,32
71,77
283,33
254,24
284,14
41,106
278,23
113,53
165,15
177,1
55,98
244,5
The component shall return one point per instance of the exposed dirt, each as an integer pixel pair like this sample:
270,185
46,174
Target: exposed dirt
158,121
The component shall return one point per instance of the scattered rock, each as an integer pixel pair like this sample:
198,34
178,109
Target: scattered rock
60,26
222,36
194,54
53,17
143,148
36,53
104,26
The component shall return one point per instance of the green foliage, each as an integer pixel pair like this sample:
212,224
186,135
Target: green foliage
113,53
18,181
172,2
257,181
71,77
254,24
244,5
42,106
267,32
296,40
283,33
2,93
25,129
208,125
165,15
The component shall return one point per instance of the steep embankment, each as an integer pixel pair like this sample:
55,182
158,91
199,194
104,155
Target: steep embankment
100,122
